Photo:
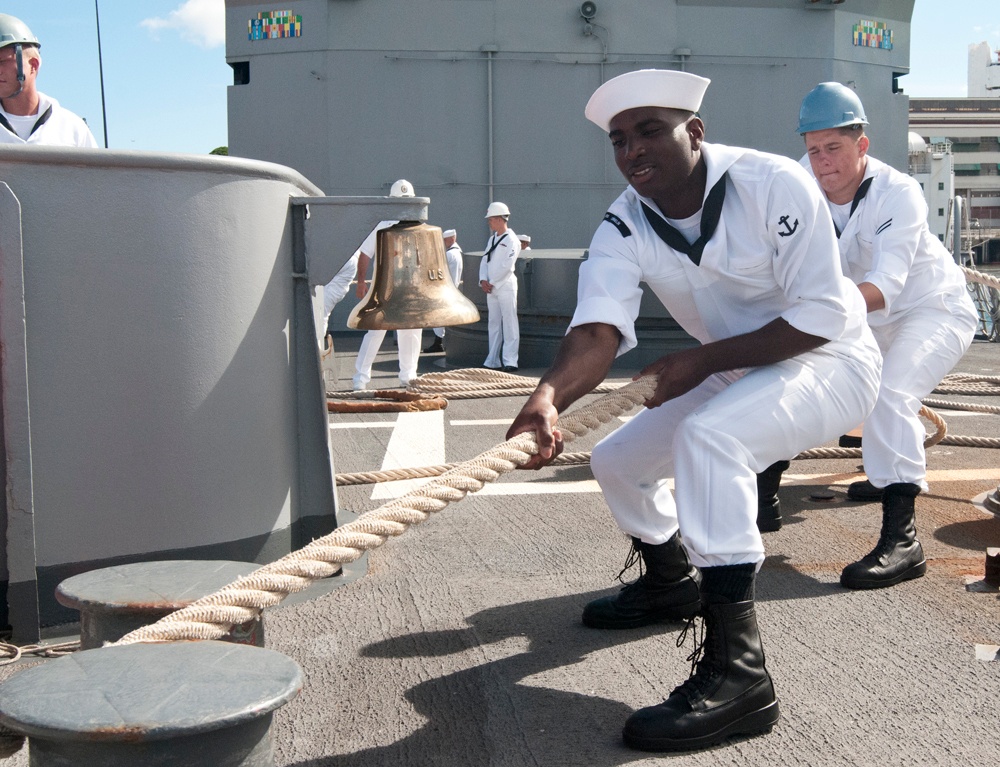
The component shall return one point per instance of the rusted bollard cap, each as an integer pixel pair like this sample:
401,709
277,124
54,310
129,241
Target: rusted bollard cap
180,703
114,601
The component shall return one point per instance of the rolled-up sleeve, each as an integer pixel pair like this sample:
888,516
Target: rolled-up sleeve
608,291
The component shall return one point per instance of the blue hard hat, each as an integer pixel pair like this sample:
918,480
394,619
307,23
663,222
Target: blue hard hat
830,105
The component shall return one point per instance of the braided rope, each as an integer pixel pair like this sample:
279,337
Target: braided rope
972,275
11,653
968,406
212,616
477,383
423,472
969,383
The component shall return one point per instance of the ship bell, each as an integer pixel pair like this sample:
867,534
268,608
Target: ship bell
411,287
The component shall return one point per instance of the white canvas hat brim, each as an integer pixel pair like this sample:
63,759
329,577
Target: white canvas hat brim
646,88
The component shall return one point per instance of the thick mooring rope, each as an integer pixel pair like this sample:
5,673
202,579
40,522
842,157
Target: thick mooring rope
468,383
214,615
420,472
424,472
485,383
973,275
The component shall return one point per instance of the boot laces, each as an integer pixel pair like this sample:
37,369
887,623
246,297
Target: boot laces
887,539
634,555
703,664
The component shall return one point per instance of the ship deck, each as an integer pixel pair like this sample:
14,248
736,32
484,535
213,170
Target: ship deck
460,642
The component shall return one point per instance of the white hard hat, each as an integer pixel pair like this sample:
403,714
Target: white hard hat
401,188
13,31
497,209
668,88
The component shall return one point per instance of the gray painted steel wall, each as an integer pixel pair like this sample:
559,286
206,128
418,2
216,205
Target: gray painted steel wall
479,99
161,388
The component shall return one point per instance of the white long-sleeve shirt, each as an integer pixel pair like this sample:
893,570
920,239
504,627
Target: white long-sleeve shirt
887,243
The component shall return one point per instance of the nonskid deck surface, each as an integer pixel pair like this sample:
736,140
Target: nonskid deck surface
462,643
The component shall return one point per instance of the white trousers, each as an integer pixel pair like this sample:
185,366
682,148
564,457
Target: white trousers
714,440
504,332
918,351
409,355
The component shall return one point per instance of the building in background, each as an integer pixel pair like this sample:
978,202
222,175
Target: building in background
984,71
479,100
933,167
970,129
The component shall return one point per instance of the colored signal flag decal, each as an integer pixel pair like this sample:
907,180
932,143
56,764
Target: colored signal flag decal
270,25
873,34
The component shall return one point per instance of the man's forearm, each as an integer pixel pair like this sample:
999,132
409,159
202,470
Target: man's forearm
584,358
774,342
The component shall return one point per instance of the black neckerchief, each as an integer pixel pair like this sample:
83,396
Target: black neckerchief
489,253
711,212
38,123
858,197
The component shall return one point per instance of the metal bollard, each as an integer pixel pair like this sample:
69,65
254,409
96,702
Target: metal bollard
114,601
991,572
992,501
177,704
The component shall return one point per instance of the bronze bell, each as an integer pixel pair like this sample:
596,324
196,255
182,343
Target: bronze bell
412,287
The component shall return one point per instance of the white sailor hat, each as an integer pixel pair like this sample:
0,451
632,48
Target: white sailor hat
524,237
645,88
449,233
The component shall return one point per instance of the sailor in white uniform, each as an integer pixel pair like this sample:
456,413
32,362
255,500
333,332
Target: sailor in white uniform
454,258
499,283
739,248
335,290
408,340
28,116
918,308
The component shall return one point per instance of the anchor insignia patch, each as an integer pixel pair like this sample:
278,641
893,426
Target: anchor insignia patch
789,228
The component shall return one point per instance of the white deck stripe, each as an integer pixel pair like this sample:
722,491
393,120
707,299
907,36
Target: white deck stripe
541,488
417,440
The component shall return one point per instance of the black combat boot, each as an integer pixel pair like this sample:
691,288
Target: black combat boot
863,490
897,556
768,505
729,693
667,590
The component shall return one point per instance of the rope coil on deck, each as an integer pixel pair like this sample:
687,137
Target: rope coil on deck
387,401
